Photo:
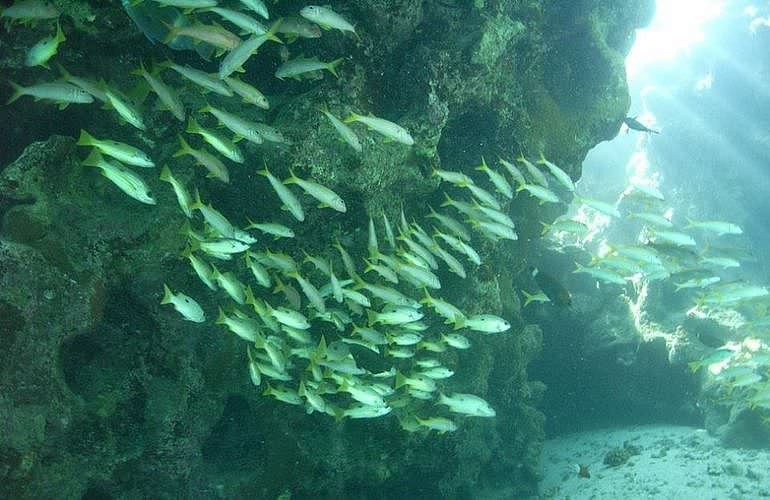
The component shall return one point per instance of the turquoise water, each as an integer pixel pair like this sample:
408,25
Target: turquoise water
368,250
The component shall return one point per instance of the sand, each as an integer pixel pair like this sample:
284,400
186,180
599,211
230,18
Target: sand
681,463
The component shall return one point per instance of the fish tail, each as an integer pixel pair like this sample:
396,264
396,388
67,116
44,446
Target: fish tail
352,118
93,159
293,179
448,201
59,33
521,187
198,203
270,34
529,298
193,127
371,317
332,66
221,318
167,295
64,73
459,322
400,380
546,228
165,174
184,147
18,91
542,159
172,33
265,172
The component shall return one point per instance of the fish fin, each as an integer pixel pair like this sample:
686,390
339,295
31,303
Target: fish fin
93,159
352,118
221,318
165,174
167,295
18,91
270,34
184,147
332,66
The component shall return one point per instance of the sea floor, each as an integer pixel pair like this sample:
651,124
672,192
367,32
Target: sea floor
673,462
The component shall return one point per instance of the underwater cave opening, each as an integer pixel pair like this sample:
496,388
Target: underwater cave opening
627,384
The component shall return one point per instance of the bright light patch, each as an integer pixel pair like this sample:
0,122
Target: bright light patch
705,83
677,26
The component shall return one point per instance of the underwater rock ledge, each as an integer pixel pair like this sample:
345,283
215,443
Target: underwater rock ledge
106,394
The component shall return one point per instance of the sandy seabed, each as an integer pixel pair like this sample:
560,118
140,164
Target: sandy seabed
673,462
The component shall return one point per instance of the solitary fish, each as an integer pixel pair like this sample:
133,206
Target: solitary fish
186,306
633,124
45,49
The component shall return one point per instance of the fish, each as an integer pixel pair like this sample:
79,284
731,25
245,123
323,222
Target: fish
415,381
240,127
646,190
642,254
260,273
560,175
633,124
290,317
182,195
272,228
466,404
238,56
166,94
714,357
296,27
61,93
324,195
290,202
456,178
652,218
126,109
221,144
698,283
454,265
723,262
126,180
565,225
601,274
495,230
245,328
677,238
599,206
214,165
460,246
249,93
200,78
484,196
283,394
230,284
30,10
96,89
534,297
185,305
718,227
443,308
552,287
366,411
346,133
326,18
40,53
500,182
202,268
483,323
296,68
514,171
455,340
389,295
439,424
543,194
310,291
537,176
212,34
388,129
257,6
243,21
182,4
454,226
393,315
